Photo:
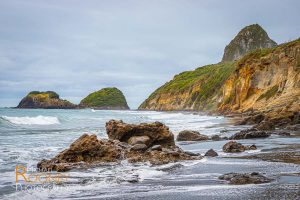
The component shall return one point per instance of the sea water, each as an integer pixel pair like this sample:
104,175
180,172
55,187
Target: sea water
30,135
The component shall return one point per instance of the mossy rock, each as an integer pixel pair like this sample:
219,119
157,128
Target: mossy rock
47,100
106,98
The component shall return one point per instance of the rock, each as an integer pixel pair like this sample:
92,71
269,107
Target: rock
156,148
295,127
265,126
245,178
153,143
252,147
139,140
234,147
191,136
282,133
139,147
110,98
191,153
47,100
249,133
250,120
211,153
248,39
86,148
171,168
216,138
157,132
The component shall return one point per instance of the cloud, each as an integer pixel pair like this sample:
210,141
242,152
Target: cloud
76,47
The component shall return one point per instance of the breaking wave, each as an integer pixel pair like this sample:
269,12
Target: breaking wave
38,120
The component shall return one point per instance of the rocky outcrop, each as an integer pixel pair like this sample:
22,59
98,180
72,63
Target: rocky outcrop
265,82
152,143
249,134
47,100
234,147
245,178
105,99
248,39
188,135
211,153
150,134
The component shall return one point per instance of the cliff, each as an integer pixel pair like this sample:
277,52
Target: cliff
263,81
248,39
106,99
48,100
199,89
266,80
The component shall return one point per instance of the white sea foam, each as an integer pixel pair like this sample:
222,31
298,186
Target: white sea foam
38,120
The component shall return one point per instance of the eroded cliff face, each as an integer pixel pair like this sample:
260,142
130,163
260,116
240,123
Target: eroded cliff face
248,39
200,89
267,80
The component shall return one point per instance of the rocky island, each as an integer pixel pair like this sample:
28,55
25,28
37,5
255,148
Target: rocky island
47,100
105,99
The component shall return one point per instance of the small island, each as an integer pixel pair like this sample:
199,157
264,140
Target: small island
46,100
110,98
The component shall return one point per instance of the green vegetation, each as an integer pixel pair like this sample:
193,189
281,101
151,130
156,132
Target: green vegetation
256,54
270,93
209,79
47,94
106,97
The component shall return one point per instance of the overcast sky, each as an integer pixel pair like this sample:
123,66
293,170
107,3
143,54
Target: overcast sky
75,47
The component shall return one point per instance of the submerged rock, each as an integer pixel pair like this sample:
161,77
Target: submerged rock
188,135
245,178
249,133
211,153
152,143
234,147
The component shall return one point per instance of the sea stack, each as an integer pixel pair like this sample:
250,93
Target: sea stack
47,100
110,98
250,38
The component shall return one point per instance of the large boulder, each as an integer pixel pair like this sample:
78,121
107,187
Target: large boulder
188,135
249,134
235,147
211,153
88,149
157,133
152,143
245,178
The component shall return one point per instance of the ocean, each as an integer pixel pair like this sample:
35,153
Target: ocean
30,135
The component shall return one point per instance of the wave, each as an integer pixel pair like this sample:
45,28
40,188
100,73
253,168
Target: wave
38,120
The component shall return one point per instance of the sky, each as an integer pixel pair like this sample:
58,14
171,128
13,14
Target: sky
75,47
